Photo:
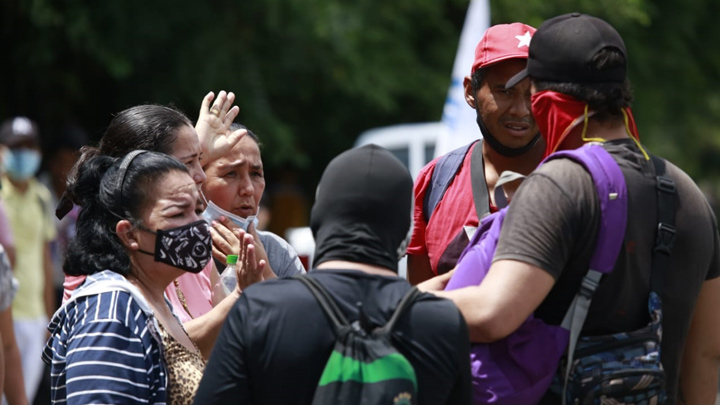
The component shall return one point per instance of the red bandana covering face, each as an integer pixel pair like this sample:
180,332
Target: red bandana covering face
556,114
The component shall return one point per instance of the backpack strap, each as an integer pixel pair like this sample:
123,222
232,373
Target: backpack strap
612,195
326,302
665,237
445,170
477,180
506,176
406,302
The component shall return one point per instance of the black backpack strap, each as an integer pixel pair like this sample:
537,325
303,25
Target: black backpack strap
406,302
445,170
326,302
665,236
479,186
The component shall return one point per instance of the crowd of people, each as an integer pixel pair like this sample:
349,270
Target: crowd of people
109,267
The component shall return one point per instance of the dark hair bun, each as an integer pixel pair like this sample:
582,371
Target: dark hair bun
85,178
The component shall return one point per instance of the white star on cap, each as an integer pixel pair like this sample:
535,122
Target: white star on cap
524,39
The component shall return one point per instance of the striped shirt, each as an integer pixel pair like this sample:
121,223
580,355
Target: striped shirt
104,346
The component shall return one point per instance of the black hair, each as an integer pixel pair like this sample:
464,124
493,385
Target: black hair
606,99
93,184
149,127
235,126
477,78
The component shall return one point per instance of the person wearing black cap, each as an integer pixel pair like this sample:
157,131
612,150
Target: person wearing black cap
577,68
28,210
447,208
277,339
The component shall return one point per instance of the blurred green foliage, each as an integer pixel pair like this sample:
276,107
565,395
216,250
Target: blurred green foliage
310,75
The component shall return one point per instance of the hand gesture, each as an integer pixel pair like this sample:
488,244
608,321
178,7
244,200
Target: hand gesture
249,269
261,253
224,241
213,125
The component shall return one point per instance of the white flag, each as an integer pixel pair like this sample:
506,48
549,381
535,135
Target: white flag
457,115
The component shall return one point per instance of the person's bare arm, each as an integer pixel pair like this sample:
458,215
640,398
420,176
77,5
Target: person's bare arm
419,269
204,329
14,389
510,292
701,356
49,289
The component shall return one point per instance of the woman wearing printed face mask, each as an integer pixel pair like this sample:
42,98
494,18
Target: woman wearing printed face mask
116,340
163,129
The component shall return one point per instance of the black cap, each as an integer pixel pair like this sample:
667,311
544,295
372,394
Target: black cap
563,48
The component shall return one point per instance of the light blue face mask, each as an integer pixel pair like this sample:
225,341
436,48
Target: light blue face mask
21,163
213,213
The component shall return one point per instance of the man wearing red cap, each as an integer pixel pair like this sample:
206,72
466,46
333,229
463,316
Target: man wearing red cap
511,141
667,271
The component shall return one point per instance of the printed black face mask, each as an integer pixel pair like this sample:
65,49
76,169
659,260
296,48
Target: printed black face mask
186,247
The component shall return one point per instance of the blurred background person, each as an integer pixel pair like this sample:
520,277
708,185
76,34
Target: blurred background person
60,154
12,386
28,209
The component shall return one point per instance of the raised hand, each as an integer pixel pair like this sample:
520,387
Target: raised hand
213,125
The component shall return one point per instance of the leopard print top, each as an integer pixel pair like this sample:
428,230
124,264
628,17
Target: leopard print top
185,369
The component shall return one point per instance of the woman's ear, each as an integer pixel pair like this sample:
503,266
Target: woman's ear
125,231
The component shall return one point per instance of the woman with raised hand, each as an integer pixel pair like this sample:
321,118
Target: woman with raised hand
164,129
117,340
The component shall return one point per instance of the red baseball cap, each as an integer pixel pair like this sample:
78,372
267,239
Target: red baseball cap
502,42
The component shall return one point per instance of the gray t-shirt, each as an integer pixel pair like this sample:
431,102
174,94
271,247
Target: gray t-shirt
283,258
553,221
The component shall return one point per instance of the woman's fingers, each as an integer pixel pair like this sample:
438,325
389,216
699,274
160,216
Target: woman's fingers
235,137
230,116
227,104
219,254
205,105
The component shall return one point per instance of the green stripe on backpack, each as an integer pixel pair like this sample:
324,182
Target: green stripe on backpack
364,366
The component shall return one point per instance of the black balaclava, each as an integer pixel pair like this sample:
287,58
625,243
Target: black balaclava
362,210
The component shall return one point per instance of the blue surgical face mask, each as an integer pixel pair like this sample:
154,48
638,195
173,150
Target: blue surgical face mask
21,163
213,213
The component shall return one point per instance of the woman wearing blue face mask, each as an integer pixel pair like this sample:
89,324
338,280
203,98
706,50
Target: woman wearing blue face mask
117,340
27,204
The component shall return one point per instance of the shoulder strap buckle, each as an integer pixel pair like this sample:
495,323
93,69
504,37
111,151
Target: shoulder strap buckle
588,287
665,238
665,184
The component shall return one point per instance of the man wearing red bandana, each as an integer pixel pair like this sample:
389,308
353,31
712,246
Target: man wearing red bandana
511,141
577,72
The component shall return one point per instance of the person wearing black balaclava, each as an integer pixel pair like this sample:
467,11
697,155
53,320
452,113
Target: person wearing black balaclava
277,340
465,179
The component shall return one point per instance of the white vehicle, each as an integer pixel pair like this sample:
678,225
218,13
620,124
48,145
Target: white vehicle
413,144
